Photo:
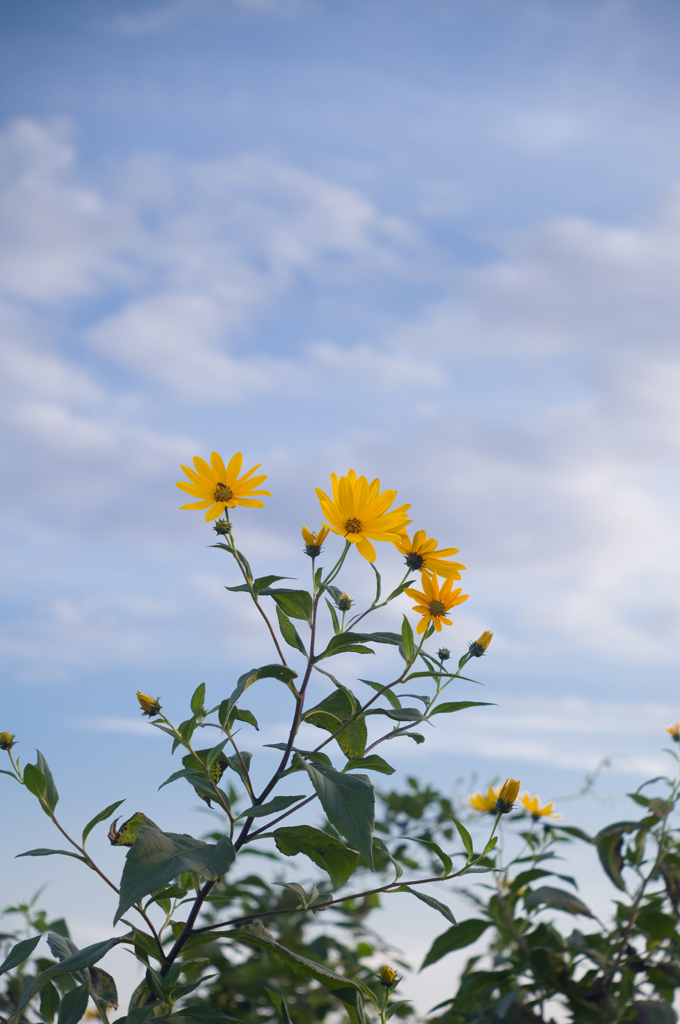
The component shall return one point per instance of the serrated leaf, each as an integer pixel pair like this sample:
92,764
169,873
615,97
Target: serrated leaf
102,816
324,850
289,632
430,901
461,935
279,803
349,804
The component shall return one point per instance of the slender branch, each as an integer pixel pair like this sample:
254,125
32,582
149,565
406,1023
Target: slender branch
187,929
291,810
249,584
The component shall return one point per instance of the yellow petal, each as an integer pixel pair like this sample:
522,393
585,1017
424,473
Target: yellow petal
198,504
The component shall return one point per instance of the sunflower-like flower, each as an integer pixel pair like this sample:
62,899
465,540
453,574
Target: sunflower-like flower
313,541
674,731
532,805
507,796
358,512
219,486
480,646
148,705
434,602
485,802
422,555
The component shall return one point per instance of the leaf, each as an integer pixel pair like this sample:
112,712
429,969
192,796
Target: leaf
197,700
399,714
381,846
19,953
465,836
49,1002
557,899
461,935
289,632
431,902
73,1005
348,990
390,694
297,604
280,1005
349,803
46,853
61,946
407,639
333,712
324,850
459,705
157,857
102,816
383,637
334,617
183,773
35,781
51,795
204,1014
259,585
345,643
279,803
243,715
573,831
609,842
373,763
444,857
282,672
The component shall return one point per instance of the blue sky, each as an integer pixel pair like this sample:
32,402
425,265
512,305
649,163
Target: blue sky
438,242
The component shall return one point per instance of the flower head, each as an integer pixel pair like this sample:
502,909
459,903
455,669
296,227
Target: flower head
434,602
480,646
313,541
345,602
219,486
507,796
485,802
443,654
6,740
674,730
531,804
358,512
388,977
148,705
422,555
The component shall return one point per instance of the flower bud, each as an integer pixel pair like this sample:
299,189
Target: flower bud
387,977
6,741
222,527
148,705
507,796
345,602
443,654
674,731
313,541
480,646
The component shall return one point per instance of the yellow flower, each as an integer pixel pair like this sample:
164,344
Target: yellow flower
219,486
358,512
387,976
507,796
480,646
531,804
487,803
674,730
148,705
422,555
313,541
6,740
433,602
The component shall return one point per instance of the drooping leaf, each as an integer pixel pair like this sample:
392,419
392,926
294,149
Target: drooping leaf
444,857
102,816
349,803
609,842
280,1005
557,899
373,763
430,901
289,632
278,803
41,852
157,857
296,604
281,672
465,836
128,831
73,1005
389,694
461,935
332,713
19,953
459,705
324,850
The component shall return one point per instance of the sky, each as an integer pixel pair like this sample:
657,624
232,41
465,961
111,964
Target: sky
436,242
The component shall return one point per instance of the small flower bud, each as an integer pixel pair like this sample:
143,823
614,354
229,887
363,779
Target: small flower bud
507,796
443,654
313,541
387,977
345,602
148,705
674,731
222,527
6,740
480,646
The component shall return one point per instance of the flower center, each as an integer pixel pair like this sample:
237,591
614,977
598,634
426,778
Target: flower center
222,492
414,560
437,608
353,526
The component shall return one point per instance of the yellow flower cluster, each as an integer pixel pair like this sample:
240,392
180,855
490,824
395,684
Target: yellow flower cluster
506,796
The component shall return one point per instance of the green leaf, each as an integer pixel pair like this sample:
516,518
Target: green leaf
49,1002
399,714
297,604
157,857
348,990
349,803
373,763
573,831
281,672
459,705
102,816
390,694
204,1014
399,590
557,899
280,1005
461,935
333,712
243,715
279,803
334,617
407,639
444,857
73,1005
47,853
260,585
289,632
465,836
184,773
345,643
324,850
383,637
198,700
431,902
35,781
19,953
609,842
51,795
